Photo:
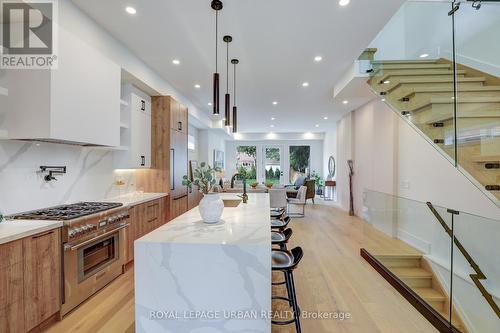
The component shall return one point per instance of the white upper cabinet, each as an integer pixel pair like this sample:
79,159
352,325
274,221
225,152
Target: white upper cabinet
78,102
135,130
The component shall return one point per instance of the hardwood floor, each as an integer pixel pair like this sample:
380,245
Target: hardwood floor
332,277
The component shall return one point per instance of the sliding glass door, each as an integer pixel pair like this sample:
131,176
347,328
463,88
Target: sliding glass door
273,165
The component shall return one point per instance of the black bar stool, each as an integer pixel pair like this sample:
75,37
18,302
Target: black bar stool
286,262
281,238
280,224
277,213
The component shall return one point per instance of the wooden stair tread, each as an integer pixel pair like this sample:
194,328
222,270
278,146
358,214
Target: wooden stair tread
421,73
412,66
413,272
450,89
447,100
381,62
492,158
442,80
450,116
430,294
398,256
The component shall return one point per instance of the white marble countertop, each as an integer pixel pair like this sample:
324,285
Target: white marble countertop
245,224
13,230
191,269
134,198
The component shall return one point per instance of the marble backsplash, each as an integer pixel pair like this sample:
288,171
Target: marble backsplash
90,175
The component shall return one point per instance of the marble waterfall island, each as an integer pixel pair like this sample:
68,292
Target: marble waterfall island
194,277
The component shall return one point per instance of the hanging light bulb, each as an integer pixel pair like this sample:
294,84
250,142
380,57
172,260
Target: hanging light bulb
227,109
217,6
235,109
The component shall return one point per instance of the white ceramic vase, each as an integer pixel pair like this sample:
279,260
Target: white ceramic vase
211,208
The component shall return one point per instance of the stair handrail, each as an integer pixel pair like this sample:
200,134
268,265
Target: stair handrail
479,275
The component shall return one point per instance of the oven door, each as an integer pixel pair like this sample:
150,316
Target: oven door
91,265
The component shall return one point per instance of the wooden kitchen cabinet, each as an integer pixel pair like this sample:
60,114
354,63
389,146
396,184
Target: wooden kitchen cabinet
42,277
178,117
30,281
144,218
11,286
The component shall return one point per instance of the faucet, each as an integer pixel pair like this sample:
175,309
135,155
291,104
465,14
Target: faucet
245,195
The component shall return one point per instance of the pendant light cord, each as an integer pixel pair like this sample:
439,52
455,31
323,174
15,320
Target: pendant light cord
227,68
216,38
234,86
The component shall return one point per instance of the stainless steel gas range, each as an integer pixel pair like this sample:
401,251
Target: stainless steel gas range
94,246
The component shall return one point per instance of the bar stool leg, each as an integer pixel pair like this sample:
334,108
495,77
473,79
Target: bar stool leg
294,301
288,289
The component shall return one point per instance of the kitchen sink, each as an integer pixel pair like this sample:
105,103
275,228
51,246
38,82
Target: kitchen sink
231,202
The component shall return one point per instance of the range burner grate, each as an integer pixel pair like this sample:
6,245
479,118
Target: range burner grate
67,212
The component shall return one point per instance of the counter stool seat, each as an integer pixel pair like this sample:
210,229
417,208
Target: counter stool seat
286,262
281,238
280,224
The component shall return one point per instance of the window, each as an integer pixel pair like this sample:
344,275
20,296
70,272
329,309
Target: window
300,158
246,162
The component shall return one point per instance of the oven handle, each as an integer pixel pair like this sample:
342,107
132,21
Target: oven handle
76,247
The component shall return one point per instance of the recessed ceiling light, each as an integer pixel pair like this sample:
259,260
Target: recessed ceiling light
272,126
424,55
176,61
383,99
305,84
387,82
345,102
317,125
325,118
130,10
197,86
318,58
210,104
272,118
275,103
344,2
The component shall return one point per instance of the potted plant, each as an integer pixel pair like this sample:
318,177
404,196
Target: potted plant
318,182
211,206
269,184
254,185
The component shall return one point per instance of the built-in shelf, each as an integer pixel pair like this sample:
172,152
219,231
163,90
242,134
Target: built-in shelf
4,91
123,103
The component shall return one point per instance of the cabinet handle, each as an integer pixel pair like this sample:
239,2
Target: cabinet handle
143,105
42,235
172,169
179,125
143,160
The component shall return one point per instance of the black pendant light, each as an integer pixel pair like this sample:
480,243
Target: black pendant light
235,109
217,6
227,109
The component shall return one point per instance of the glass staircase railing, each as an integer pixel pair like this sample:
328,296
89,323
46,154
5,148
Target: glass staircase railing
448,259
436,64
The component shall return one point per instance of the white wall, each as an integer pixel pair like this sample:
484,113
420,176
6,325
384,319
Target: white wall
420,27
193,155
329,149
390,157
316,153
344,153
210,140
90,171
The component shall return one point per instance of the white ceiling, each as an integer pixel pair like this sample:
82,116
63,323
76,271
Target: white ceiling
275,40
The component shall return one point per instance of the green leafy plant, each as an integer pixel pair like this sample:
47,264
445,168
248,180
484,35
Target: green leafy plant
269,184
254,184
203,177
316,177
